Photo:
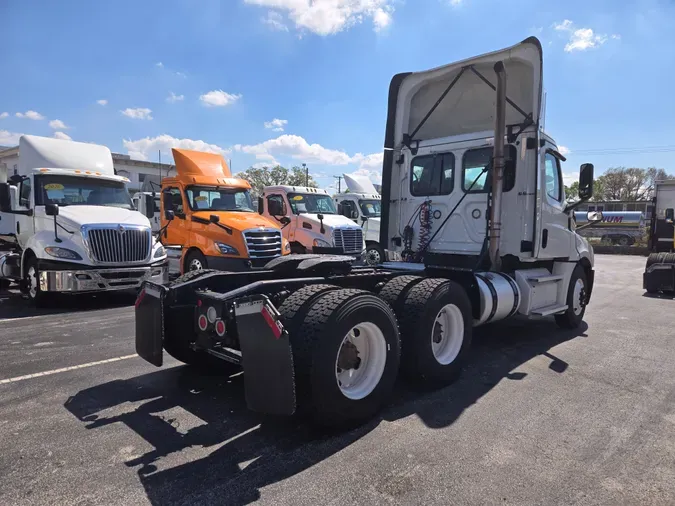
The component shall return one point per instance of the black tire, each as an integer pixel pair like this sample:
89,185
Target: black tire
374,254
298,249
656,258
395,291
317,344
624,240
37,297
422,305
193,258
571,319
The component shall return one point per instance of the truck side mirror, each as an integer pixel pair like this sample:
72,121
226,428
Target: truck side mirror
594,216
167,201
285,220
5,198
147,205
52,209
354,214
670,215
339,208
169,214
260,205
586,181
214,218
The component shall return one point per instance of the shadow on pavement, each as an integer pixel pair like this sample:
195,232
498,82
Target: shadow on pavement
14,305
249,451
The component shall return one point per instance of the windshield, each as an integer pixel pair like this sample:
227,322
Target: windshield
219,199
371,208
81,191
312,203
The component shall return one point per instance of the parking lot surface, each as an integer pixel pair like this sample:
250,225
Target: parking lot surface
540,416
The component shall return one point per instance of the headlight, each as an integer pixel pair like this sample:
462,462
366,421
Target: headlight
160,252
226,249
63,253
287,247
320,243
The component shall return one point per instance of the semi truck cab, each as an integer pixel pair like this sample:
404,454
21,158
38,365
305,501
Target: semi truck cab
67,223
310,221
363,204
210,215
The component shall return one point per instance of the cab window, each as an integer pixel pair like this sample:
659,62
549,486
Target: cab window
475,160
174,200
432,174
553,178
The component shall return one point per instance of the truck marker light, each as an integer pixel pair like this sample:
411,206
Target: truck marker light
202,322
220,328
211,314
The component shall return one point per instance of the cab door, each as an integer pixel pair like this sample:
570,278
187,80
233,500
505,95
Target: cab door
177,231
555,236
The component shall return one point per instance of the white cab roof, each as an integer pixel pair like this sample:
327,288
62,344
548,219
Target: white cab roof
44,152
359,184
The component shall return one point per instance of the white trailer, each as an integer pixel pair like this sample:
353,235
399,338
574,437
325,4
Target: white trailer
67,223
363,204
310,221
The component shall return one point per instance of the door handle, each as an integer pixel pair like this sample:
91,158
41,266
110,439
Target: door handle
544,238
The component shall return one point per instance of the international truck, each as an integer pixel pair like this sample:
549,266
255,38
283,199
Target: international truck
362,203
208,215
659,275
318,335
310,221
67,223
621,228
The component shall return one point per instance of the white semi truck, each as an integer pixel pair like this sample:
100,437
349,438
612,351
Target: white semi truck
310,221
67,223
472,196
363,204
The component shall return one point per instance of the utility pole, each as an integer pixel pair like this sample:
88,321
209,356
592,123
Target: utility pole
159,151
339,178
304,166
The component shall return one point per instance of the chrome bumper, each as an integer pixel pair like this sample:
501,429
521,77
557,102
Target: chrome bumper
102,280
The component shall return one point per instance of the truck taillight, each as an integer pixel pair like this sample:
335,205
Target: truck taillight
202,322
211,314
220,328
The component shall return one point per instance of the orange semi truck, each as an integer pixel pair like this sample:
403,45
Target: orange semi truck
210,215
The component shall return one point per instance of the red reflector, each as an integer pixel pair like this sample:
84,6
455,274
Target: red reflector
271,322
203,323
220,328
140,298
199,303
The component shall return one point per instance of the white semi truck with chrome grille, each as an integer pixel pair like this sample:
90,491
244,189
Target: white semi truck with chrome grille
67,223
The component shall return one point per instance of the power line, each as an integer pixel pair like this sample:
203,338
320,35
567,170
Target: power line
625,151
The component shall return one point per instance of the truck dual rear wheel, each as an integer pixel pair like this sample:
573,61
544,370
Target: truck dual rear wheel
346,355
436,330
577,295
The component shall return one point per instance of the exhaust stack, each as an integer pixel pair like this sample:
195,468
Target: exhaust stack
498,168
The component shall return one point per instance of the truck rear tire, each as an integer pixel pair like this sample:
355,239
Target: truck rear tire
346,356
576,300
436,330
395,291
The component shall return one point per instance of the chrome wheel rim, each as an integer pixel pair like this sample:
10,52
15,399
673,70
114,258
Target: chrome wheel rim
360,361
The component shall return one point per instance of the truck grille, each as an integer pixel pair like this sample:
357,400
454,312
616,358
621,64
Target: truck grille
349,239
119,244
263,245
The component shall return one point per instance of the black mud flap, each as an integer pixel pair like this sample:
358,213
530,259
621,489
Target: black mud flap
150,323
659,278
266,357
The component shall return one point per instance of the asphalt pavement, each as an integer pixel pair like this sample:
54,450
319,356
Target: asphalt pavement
540,416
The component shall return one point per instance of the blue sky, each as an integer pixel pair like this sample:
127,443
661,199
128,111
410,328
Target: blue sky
217,74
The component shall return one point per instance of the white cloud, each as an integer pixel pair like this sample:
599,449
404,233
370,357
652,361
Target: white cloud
276,125
4,115
9,138
103,101
57,124
63,136
456,3
159,64
570,177
218,98
172,98
180,74
144,149
328,17
581,39
138,113
30,115
275,21
564,150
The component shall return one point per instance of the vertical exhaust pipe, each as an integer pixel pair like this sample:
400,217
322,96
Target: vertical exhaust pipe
498,168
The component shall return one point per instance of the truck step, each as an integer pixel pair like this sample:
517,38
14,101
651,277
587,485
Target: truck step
549,310
545,279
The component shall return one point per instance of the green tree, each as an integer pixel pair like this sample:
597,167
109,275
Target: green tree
572,191
628,183
259,177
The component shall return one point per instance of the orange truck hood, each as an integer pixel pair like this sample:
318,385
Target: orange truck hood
238,220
